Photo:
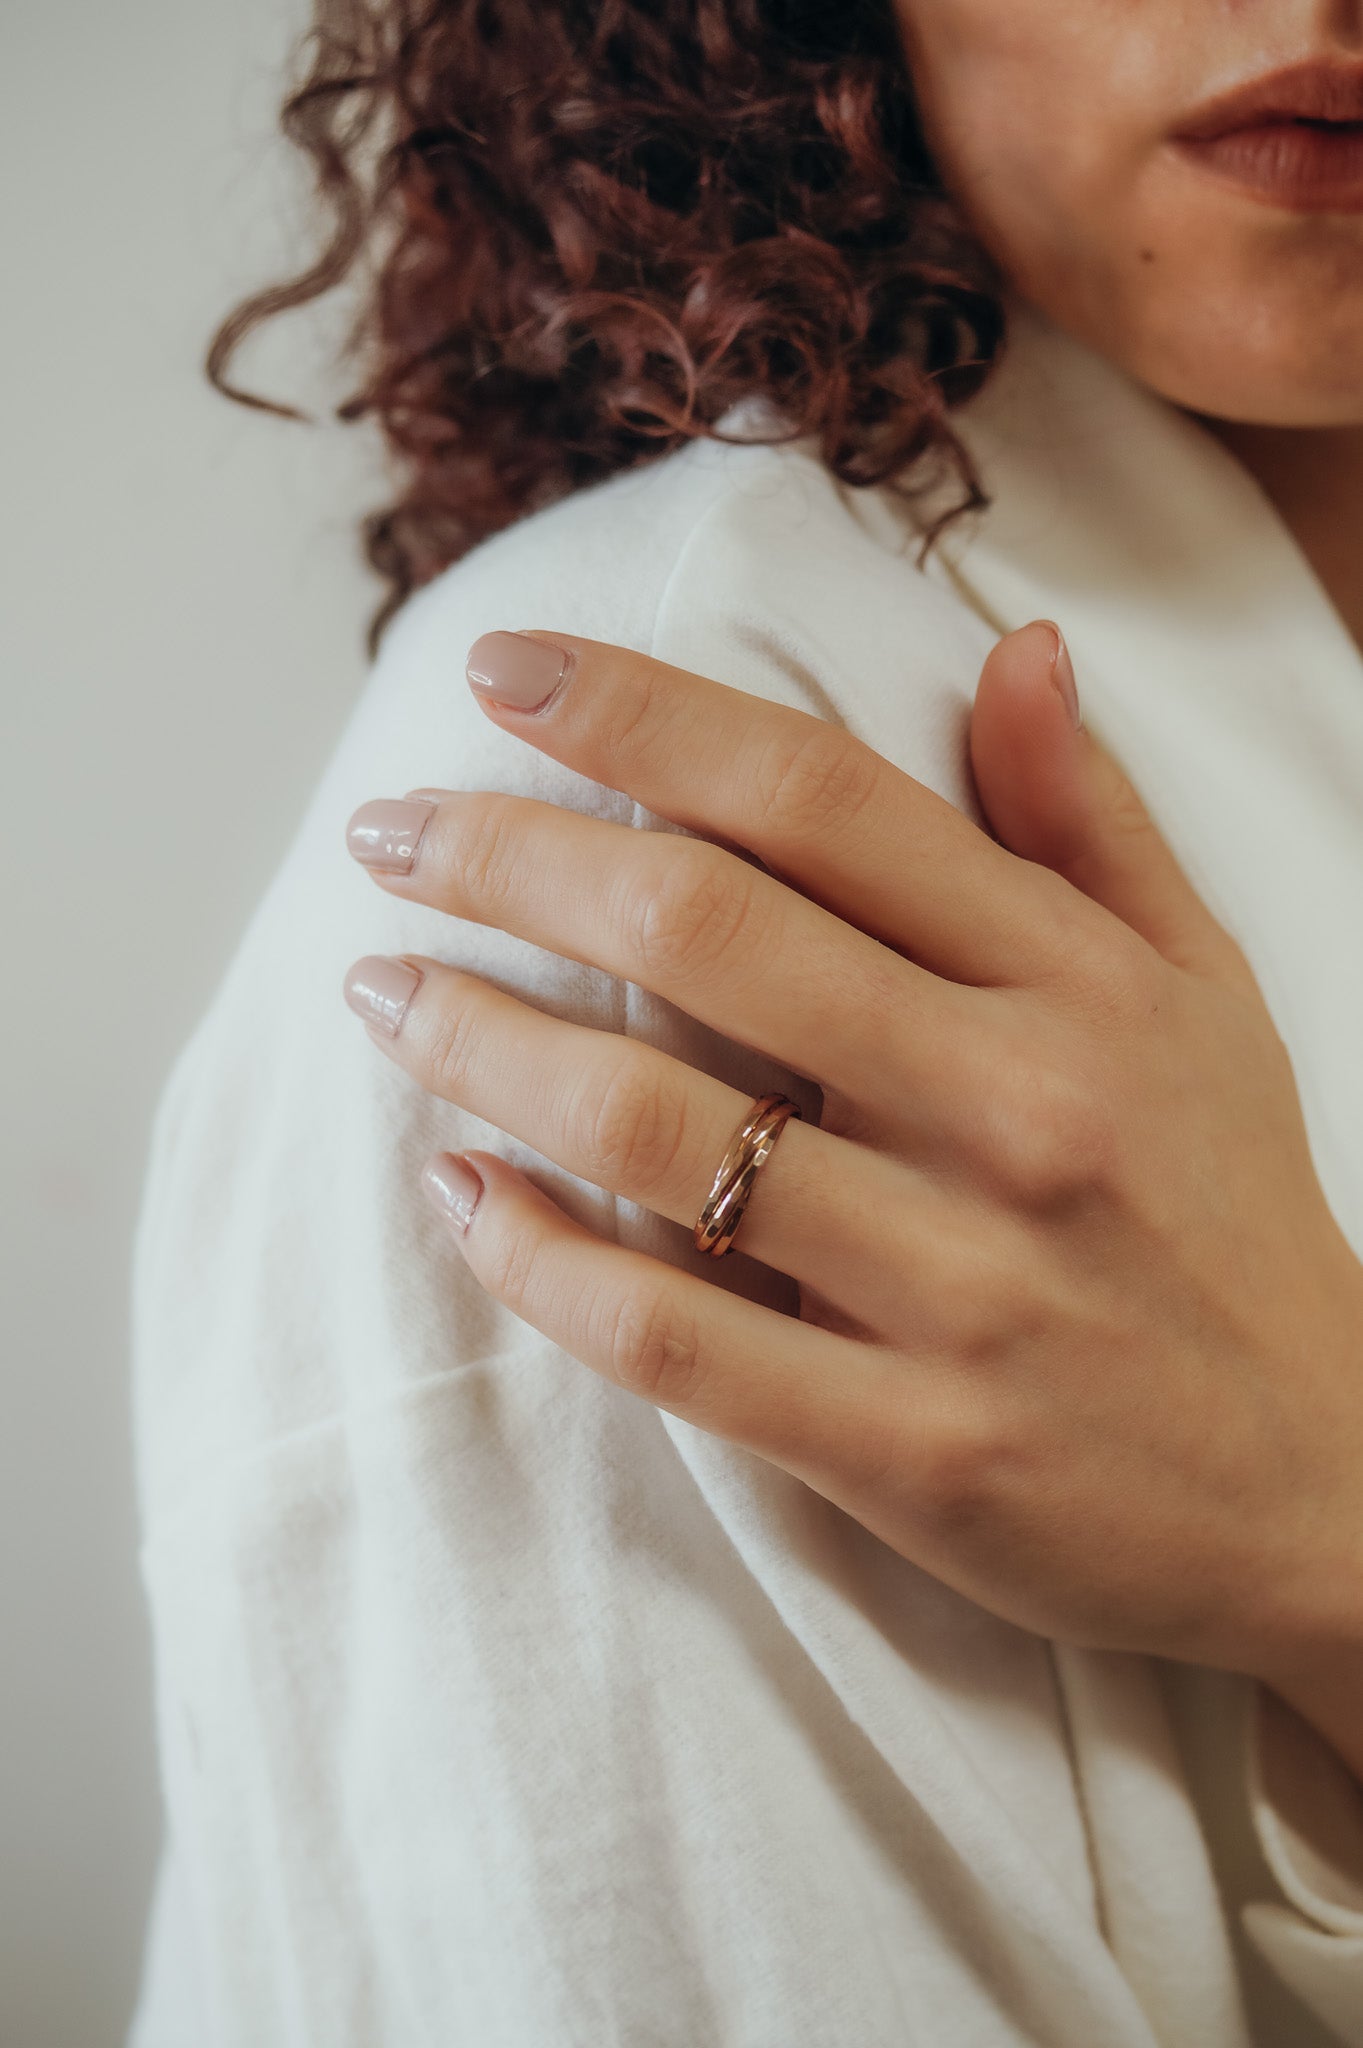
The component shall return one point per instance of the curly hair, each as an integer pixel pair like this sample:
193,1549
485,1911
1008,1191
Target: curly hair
587,227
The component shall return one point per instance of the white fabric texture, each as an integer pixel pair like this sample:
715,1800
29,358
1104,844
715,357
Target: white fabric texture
496,1706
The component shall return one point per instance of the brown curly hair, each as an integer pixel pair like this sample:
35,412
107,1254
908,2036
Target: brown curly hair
590,226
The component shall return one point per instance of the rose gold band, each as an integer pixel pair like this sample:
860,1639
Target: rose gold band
749,1150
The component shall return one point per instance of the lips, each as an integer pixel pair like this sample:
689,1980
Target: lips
1303,92
1293,139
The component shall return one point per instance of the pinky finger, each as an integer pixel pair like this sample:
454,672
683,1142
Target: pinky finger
797,1395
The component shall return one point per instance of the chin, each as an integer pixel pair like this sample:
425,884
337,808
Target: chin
1255,318
1261,367
1253,356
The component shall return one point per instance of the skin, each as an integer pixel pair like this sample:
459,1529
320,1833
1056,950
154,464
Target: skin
1032,1073
1050,120
1057,1009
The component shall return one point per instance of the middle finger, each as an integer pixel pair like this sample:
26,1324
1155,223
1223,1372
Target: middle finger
724,941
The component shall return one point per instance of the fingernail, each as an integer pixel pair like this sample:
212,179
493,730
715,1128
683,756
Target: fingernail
379,990
386,835
452,1188
522,674
1062,675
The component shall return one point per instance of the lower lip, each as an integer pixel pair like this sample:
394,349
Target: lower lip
1287,163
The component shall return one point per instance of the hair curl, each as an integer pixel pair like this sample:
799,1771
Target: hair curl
588,227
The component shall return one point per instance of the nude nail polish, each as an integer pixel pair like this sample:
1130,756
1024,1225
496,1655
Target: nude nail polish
452,1188
1062,675
519,673
380,989
386,835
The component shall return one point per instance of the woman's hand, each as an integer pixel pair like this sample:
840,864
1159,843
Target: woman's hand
1079,1333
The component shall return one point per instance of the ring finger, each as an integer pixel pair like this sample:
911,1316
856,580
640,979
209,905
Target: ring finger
734,947
864,1231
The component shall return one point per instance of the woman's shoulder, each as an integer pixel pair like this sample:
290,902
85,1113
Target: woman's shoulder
613,552
280,1126
748,561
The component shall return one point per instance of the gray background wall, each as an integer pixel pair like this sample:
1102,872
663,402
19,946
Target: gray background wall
180,640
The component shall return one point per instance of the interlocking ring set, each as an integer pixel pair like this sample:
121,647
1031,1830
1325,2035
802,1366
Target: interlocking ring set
749,1150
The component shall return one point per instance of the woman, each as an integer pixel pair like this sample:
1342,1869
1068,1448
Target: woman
949,1626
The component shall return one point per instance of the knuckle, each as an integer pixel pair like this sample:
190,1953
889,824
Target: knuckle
1055,1136
634,1129
487,849
630,726
453,1049
1111,982
807,786
508,1265
1127,812
651,1347
1124,983
961,1474
699,913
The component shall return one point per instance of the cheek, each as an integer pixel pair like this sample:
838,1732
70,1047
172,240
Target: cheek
1061,215
1245,316
1048,120
1216,303
1043,165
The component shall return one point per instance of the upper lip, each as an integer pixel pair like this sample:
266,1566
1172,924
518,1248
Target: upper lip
1302,92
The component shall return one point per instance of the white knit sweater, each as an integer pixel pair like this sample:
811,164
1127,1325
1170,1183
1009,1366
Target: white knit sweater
499,1709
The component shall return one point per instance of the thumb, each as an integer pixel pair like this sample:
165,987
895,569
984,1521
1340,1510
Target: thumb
1054,794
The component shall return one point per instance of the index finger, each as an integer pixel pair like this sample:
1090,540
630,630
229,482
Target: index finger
819,807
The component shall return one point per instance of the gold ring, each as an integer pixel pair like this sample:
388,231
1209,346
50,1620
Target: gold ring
749,1151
